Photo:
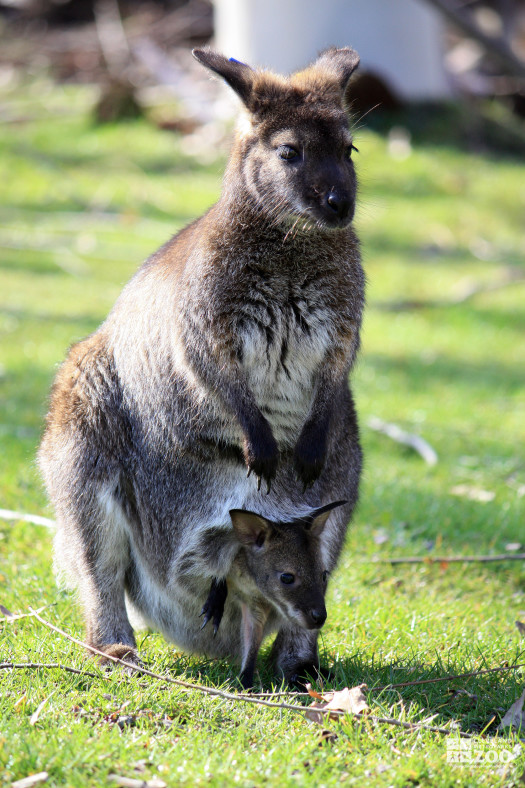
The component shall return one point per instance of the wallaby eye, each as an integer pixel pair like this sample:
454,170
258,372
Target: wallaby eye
287,152
348,151
287,578
325,575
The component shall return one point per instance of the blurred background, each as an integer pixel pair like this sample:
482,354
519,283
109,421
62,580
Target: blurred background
138,52
112,137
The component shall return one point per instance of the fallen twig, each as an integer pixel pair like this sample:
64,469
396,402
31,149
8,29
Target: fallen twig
472,674
416,726
17,616
473,290
398,435
452,559
257,698
48,666
239,697
178,682
31,780
131,782
7,514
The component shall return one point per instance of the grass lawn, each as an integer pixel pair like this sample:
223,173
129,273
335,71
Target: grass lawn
80,208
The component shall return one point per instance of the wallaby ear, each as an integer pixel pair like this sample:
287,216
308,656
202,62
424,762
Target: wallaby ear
251,529
319,517
238,75
340,62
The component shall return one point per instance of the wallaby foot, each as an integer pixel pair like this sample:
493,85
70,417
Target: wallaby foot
213,608
121,651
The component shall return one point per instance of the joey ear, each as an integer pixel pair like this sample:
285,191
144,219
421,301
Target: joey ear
318,518
238,75
340,62
251,529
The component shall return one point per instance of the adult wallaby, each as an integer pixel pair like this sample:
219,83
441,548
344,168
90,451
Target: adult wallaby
229,350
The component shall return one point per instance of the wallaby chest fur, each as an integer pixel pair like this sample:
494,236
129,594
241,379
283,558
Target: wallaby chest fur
229,349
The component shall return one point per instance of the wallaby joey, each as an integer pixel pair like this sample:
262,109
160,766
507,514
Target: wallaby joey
226,355
277,578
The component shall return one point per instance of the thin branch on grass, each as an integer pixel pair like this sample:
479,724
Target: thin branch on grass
257,698
452,559
7,514
380,688
178,682
48,666
398,435
241,697
17,616
413,726
472,674
511,277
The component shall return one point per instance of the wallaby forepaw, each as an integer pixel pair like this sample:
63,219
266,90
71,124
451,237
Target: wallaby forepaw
309,455
213,608
308,467
262,458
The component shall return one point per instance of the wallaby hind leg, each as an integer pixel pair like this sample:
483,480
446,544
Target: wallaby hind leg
295,655
253,620
95,553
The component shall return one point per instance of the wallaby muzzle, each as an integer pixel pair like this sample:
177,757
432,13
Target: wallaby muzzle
340,207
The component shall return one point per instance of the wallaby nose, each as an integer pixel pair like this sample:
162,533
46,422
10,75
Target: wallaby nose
318,616
338,203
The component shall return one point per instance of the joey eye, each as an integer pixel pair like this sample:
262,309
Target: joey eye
287,578
287,152
325,576
348,151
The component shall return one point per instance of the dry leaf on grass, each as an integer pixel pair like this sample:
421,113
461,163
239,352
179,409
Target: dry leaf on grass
33,779
521,627
351,700
5,612
515,717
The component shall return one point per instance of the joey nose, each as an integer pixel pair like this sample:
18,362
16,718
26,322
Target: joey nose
338,203
318,616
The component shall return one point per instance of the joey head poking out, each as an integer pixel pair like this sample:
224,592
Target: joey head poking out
278,574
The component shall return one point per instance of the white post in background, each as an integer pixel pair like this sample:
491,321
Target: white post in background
399,40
